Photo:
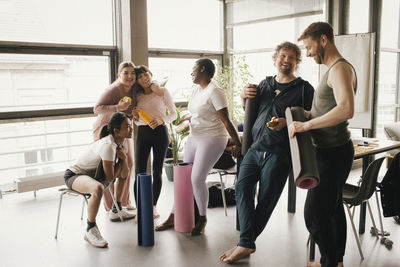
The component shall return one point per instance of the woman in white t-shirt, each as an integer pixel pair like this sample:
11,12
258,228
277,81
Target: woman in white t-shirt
210,128
111,151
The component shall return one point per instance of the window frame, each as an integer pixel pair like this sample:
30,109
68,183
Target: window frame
56,49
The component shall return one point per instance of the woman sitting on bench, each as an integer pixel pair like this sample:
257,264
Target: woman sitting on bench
83,177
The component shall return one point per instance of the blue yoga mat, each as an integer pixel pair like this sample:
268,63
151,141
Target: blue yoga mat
145,210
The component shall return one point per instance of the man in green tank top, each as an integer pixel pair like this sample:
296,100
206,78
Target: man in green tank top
333,105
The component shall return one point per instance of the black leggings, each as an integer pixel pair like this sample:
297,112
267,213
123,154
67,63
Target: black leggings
323,211
157,139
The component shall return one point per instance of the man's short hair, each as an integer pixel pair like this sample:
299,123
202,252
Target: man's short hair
316,29
288,46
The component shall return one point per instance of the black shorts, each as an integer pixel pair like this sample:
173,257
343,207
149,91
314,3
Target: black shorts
98,175
69,177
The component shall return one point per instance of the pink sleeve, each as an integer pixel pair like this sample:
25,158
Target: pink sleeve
108,101
169,102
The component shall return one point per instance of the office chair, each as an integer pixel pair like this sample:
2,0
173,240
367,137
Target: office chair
356,195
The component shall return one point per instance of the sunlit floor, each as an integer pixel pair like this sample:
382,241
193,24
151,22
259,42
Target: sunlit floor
28,227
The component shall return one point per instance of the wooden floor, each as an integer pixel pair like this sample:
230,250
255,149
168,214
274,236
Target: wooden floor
28,226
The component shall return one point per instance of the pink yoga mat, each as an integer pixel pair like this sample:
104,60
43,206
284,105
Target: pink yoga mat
183,198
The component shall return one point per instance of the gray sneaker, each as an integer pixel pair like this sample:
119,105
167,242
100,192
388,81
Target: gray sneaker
94,238
126,215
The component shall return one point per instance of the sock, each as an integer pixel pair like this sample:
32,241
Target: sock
90,225
114,209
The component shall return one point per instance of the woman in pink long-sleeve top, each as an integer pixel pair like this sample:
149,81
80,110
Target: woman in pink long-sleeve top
111,101
155,135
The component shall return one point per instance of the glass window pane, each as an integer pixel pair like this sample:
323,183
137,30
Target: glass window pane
248,10
359,15
189,24
56,21
270,34
178,72
34,148
35,82
262,65
390,24
387,97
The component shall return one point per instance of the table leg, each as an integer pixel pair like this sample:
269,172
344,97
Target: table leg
363,207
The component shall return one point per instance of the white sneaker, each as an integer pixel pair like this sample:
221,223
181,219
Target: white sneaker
130,207
94,238
126,215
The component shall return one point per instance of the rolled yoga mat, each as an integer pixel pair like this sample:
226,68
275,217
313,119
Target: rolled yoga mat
250,116
304,160
183,198
145,210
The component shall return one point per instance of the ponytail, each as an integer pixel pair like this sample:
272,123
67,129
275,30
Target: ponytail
104,131
115,122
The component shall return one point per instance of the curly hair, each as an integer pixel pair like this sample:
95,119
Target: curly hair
288,46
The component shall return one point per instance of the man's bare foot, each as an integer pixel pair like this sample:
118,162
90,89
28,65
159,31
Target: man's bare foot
227,253
313,264
239,253
155,213
169,223
340,264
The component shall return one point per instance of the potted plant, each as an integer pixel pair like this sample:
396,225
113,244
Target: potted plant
232,78
178,130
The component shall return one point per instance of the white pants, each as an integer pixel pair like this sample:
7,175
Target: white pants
204,152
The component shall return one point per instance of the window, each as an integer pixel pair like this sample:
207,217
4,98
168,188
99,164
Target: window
388,97
189,24
34,148
390,24
87,22
37,82
178,73
359,16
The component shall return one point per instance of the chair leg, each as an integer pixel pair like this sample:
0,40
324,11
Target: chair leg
115,203
58,215
83,206
354,231
374,230
223,193
379,214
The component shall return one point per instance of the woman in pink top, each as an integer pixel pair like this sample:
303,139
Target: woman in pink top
155,135
111,101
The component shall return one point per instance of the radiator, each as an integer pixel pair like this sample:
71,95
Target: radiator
33,183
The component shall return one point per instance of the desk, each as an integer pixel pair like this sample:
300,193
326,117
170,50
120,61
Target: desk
371,146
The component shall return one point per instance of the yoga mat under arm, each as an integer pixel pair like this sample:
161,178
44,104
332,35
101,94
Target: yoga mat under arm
302,151
250,116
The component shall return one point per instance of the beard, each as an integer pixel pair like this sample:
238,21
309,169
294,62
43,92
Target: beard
320,54
286,71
